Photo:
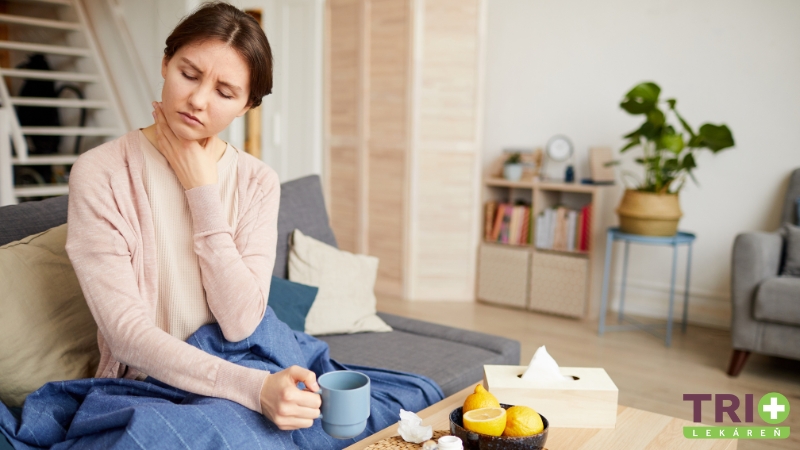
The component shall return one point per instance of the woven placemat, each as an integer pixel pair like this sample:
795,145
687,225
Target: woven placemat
396,442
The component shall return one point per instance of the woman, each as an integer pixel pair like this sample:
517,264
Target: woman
171,228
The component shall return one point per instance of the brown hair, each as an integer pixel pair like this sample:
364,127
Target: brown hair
234,27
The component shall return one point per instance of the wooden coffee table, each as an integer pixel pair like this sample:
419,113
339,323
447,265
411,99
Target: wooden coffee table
636,429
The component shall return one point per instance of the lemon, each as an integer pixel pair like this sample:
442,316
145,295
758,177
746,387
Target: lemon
480,399
522,421
490,421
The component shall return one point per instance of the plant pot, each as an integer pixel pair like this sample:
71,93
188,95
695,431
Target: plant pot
512,172
649,214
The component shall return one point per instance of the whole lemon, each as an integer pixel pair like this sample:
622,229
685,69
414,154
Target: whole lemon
481,398
522,421
490,421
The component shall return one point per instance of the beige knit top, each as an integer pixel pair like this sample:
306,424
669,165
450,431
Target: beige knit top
111,243
182,306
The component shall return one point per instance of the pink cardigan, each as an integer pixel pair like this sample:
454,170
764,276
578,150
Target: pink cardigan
111,243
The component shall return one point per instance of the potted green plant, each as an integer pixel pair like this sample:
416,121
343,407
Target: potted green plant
651,205
512,168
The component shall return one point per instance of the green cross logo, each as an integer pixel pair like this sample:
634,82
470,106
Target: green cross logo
773,408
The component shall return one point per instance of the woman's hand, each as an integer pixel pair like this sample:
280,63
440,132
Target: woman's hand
194,164
287,406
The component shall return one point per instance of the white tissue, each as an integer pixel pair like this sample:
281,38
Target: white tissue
543,368
411,429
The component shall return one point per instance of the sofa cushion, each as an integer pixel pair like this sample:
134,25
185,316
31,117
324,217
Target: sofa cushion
46,328
451,357
291,302
25,219
778,300
346,300
4,444
791,265
302,208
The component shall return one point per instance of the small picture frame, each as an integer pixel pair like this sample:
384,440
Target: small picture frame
599,157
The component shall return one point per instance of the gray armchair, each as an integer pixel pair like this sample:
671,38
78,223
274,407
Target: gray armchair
765,306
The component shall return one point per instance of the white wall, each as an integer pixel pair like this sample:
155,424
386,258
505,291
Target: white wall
558,66
292,114
294,29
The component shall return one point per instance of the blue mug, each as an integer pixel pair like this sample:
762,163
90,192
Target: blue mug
345,403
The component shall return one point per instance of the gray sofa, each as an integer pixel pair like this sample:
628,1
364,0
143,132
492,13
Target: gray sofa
452,357
765,306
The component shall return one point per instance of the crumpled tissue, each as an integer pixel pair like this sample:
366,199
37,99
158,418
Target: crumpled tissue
411,429
543,368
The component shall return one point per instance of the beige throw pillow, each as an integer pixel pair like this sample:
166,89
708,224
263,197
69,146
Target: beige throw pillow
345,302
47,332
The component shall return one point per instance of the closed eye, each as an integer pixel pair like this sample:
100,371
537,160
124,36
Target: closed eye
187,76
225,96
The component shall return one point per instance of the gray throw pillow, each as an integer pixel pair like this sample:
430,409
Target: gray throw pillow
792,265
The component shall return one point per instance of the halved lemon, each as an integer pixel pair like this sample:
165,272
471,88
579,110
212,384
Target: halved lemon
489,421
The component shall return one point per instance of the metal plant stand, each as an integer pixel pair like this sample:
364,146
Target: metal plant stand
681,238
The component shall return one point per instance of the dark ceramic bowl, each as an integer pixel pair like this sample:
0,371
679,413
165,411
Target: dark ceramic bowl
475,441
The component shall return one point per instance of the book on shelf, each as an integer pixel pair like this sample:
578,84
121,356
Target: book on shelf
520,235
503,234
507,223
513,226
586,228
504,227
564,229
498,222
488,215
572,218
545,229
560,230
524,236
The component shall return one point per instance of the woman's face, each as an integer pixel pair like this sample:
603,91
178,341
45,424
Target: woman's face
206,86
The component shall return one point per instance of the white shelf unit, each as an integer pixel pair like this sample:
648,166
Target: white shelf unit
59,29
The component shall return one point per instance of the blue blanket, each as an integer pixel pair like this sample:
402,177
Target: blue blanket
128,414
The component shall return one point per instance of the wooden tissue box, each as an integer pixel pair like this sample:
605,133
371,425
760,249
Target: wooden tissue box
590,401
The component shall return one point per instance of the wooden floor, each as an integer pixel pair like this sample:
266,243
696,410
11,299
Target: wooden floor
649,375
